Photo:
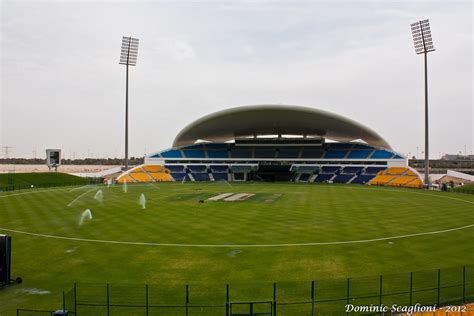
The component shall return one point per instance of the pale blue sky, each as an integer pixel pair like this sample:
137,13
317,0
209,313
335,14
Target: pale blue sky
62,86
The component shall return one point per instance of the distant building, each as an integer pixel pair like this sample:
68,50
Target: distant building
457,157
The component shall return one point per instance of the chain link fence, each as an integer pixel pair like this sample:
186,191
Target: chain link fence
320,297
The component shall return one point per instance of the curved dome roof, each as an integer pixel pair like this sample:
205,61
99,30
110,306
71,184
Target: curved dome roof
253,120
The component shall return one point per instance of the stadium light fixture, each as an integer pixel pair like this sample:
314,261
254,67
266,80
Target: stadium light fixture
128,57
423,45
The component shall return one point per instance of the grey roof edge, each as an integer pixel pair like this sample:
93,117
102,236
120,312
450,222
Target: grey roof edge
217,126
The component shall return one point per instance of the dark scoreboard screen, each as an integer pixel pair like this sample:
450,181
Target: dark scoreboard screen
54,157
5,258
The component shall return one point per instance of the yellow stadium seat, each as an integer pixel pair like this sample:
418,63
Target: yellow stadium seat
396,177
161,177
141,177
146,173
417,183
400,181
137,169
382,179
125,178
156,169
396,170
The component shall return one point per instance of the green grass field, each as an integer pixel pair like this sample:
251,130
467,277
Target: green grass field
9,181
277,222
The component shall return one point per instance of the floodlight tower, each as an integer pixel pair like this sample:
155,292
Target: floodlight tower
423,45
128,57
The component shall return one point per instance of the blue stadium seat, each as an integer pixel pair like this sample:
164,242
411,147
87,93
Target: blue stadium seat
382,154
216,146
334,154
200,176
195,146
359,154
352,170
220,176
219,168
217,154
173,153
361,146
178,176
323,177
364,178
374,170
194,153
197,168
330,169
343,178
175,168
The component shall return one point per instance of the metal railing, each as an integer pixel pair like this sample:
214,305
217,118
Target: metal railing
321,297
33,312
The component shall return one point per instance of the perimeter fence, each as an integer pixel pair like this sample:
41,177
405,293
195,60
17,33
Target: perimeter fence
451,286
33,312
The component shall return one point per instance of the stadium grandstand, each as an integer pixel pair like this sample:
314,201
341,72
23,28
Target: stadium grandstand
277,143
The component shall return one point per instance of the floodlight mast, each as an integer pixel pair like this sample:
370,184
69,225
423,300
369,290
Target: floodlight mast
423,45
128,57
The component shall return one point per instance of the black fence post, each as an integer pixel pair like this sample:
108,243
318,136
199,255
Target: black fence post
348,292
439,285
411,288
187,299
274,299
381,291
64,302
227,299
464,284
108,300
312,298
146,298
75,299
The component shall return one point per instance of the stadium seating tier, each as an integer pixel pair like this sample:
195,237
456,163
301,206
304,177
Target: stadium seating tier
397,177
207,165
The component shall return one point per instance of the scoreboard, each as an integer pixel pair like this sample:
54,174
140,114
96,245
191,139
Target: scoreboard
5,259
53,158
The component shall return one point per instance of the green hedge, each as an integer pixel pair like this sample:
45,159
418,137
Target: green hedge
467,188
18,181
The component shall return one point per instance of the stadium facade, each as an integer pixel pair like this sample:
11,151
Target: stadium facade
277,143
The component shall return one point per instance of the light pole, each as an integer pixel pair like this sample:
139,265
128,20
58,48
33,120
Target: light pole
128,57
423,45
